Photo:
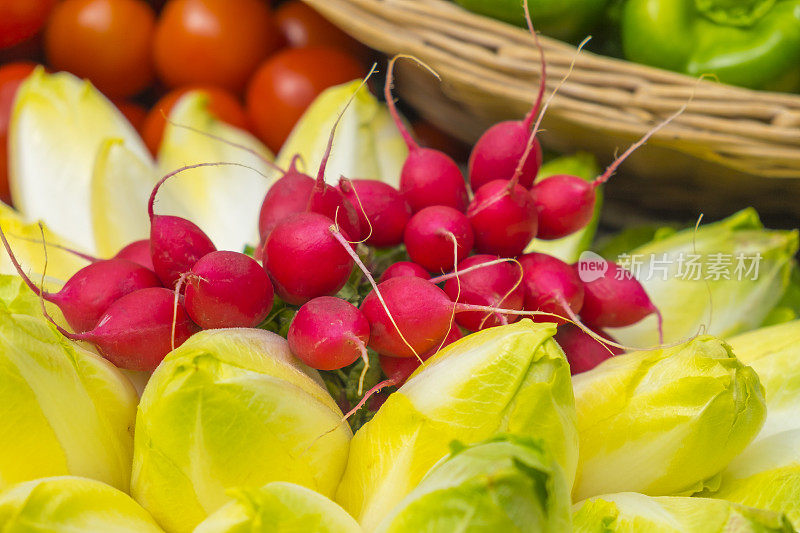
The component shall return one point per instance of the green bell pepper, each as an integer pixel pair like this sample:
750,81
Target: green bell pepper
750,43
568,20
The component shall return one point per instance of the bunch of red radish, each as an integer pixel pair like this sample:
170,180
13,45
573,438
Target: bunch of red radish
156,293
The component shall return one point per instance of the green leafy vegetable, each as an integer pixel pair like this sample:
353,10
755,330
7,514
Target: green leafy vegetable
510,379
63,409
232,408
723,279
766,475
774,353
666,421
70,503
630,512
507,484
279,507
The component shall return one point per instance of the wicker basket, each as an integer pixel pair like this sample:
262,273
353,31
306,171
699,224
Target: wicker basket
732,147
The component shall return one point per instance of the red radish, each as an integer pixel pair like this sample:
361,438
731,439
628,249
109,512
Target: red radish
616,300
503,214
328,333
296,192
91,290
287,196
409,315
292,193
175,243
136,331
500,149
228,290
497,285
404,268
420,309
304,260
551,285
382,211
430,234
565,203
398,369
138,252
503,217
429,177
584,352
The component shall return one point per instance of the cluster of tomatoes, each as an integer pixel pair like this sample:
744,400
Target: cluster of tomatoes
260,64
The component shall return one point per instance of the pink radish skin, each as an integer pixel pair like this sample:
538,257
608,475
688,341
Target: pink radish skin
228,290
304,260
175,246
404,268
422,312
551,285
498,152
398,369
328,333
138,252
582,351
495,286
379,206
615,303
428,177
429,237
295,193
175,243
135,332
565,204
501,148
287,196
91,290
503,218
420,309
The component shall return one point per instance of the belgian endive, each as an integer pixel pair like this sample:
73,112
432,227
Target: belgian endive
509,484
279,506
725,278
510,379
79,166
63,409
774,353
367,143
631,512
767,473
665,421
232,409
67,504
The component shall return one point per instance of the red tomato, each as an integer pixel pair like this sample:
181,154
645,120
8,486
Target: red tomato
135,113
11,76
21,19
213,42
284,86
107,41
301,26
222,104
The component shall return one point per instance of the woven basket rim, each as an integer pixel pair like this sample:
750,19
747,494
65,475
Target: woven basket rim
756,132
